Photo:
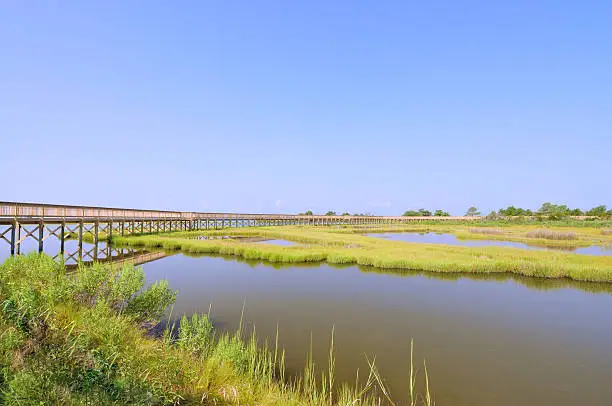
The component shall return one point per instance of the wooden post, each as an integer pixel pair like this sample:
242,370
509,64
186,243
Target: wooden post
81,240
62,238
13,227
95,240
18,238
41,231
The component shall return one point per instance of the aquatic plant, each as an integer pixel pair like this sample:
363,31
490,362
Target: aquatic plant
552,235
84,338
493,231
337,246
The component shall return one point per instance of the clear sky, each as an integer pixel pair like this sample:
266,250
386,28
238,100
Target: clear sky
284,106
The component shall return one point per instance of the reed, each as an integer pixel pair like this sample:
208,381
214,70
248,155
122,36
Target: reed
488,231
552,235
341,248
83,338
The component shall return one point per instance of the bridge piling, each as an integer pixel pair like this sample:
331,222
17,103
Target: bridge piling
63,222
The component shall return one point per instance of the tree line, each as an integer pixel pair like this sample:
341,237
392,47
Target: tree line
549,210
553,211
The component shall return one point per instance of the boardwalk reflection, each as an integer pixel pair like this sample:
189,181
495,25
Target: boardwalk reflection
113,255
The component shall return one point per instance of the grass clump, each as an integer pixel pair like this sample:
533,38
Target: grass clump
489,231
552,235
85,338
325,244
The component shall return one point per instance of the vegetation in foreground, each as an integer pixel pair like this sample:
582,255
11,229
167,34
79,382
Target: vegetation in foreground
344,246
82,338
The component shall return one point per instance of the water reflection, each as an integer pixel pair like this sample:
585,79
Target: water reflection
88,253
499,339
451,239
502,340
257,239
277,241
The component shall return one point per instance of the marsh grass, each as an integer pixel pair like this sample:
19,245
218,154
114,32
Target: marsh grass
347,248
490,231
82,338
552,235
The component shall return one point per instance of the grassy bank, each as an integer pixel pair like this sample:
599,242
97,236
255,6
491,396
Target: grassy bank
327,244
585,233
82,338
530,234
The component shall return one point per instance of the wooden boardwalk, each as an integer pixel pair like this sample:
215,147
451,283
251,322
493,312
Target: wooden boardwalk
38,222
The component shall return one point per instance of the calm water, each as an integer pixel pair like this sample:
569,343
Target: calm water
488,340
451,239
277,242
255,240
496,341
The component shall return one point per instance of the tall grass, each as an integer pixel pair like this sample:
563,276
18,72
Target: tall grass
492,231
386,254
552,235
82,338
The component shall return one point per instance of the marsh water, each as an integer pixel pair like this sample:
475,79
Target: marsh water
451,239
488,340
255,240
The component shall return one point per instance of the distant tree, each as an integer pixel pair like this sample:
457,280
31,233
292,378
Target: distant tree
554,211
346,213
330,213
308,213
412,213
512,211
492,215
441,213
576,212
425,213
472,211
599,211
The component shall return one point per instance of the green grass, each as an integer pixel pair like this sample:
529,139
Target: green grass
83,338
337,246
530,234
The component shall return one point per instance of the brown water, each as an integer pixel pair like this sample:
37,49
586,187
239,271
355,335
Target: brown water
488,340
451,239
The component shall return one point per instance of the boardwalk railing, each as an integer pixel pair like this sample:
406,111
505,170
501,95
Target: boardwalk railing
21,221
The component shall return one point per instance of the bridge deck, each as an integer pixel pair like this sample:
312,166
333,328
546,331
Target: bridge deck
9,211
38,222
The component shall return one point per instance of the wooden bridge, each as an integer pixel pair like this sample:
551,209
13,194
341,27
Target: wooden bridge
38,222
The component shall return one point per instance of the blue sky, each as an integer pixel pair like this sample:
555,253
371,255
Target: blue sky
278,106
